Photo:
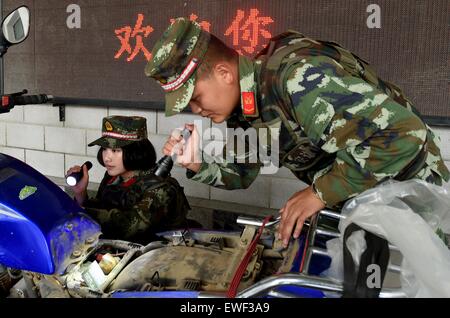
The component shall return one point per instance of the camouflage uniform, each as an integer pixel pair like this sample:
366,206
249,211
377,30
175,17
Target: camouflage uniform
143,205
339,127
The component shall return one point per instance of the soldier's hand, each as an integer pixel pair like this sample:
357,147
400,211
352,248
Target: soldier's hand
187,152
297,209
80,188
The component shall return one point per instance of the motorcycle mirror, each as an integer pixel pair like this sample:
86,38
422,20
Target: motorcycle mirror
16,25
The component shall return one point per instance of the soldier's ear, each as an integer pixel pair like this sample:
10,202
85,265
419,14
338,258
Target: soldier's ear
226,73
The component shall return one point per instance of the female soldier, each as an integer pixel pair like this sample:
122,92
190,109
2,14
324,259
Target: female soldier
131,203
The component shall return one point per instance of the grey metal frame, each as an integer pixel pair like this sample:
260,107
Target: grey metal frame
267,286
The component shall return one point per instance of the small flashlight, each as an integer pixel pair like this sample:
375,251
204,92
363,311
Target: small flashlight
73,178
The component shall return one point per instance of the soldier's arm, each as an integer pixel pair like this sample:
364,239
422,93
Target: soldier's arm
373,137
95,202
124,223
237,172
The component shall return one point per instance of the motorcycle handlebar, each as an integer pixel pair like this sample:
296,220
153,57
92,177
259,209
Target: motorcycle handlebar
30,99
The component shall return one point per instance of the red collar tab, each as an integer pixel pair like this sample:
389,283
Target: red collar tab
112,180
129,182
5,101
249,104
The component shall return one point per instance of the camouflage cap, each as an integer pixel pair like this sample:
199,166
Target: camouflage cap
119,131
175,58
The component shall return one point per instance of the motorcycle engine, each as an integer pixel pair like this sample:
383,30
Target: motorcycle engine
182,261
206,261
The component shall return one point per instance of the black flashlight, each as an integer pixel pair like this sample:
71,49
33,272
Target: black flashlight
165,164
73,178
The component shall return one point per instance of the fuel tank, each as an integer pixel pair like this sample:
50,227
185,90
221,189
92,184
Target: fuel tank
40,225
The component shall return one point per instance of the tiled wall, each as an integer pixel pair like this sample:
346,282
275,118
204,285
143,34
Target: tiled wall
35,135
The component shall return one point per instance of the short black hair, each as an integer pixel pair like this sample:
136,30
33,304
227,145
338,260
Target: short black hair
139,155
217,52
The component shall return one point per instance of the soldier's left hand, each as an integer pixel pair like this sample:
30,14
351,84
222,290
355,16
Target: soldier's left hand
297,209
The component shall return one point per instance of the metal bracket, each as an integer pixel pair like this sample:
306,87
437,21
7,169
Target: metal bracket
62,111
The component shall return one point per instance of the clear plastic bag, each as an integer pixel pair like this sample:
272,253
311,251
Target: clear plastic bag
413,216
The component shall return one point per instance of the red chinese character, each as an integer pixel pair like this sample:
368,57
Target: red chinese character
252,29
124,34
193,17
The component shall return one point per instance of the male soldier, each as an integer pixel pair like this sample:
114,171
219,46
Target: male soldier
131,203
341,129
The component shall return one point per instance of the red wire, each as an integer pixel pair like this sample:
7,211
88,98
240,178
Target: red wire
232,290
304,251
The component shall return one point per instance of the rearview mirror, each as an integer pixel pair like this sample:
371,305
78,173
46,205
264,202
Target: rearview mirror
16,25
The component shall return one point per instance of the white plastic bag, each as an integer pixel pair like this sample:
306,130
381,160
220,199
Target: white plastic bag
408,214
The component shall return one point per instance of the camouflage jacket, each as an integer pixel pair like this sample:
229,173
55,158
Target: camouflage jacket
336,130
137,209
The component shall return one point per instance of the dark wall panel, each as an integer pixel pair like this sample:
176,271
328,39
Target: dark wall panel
410,49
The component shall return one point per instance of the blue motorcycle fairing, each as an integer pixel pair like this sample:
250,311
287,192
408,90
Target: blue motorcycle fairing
295,291
156,294
300,292
39,229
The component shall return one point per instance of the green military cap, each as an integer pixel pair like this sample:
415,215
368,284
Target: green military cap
175,59
119,131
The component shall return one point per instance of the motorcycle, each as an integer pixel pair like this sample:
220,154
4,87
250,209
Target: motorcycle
49,246
46,235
